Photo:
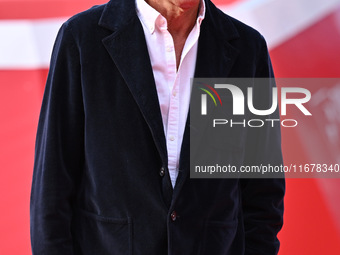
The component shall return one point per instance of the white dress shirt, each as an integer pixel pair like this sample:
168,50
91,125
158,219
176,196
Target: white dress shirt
173,86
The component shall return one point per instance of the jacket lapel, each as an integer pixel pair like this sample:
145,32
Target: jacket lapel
215,59
127,48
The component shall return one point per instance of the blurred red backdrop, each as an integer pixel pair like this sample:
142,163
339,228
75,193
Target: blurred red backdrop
309,49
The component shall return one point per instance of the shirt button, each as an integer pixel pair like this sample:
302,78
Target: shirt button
172,138
162,172
168,49
173,216
174,93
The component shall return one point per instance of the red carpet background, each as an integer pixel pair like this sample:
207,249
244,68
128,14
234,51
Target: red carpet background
304,41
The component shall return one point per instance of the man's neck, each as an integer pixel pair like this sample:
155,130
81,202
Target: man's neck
181,16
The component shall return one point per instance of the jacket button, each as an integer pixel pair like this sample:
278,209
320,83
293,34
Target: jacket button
162,172
173,216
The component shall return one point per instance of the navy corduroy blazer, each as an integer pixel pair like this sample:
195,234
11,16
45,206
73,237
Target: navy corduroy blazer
100,182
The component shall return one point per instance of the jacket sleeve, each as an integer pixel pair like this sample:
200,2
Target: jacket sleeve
59,152
262,198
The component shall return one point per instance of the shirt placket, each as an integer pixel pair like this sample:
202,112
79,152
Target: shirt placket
173,115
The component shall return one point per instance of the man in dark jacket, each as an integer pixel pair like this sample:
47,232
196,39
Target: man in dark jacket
112,164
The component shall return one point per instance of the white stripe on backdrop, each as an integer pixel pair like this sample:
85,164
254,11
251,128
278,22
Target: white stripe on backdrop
27,44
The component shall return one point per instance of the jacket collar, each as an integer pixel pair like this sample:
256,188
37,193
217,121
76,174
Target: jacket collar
117,14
